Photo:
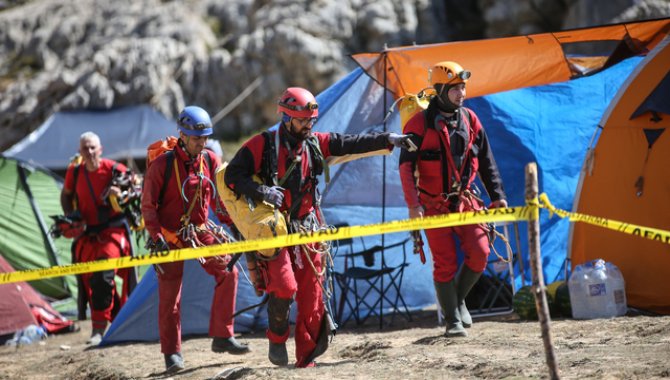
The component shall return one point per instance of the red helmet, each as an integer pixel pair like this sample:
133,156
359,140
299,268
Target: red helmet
298,102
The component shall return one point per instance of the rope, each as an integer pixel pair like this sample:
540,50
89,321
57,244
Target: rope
492,230
323,250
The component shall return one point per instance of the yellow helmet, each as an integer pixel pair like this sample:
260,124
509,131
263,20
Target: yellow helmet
448,72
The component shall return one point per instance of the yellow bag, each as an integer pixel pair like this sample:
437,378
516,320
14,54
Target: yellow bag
410,104
257,224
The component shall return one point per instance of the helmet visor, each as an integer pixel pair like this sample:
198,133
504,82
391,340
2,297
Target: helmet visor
198,129
307,107
194,127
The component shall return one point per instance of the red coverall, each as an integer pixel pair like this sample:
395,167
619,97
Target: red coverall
475,156
164,218
100,242
290,274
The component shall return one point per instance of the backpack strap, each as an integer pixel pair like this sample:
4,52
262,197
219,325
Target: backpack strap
208,158
75,173
269,171
166,176
320,164
473,132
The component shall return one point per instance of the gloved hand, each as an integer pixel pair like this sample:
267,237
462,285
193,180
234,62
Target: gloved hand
274,196
74,216
402,141
157,244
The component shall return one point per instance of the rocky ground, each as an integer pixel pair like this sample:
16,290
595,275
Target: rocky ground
503,347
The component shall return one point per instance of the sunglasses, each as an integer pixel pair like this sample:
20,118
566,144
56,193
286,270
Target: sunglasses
305,121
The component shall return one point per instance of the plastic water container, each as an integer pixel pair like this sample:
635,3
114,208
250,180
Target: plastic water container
597,290
29,335
619,289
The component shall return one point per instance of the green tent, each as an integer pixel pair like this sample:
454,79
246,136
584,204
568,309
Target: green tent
28,196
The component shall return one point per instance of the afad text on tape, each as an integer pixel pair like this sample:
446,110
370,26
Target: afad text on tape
623,227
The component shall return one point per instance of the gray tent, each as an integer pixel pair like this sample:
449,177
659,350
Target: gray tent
125,134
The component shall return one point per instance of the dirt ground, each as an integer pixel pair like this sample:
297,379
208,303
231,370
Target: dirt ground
503,347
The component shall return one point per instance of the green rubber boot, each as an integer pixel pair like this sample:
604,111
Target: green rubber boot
465,280
447,296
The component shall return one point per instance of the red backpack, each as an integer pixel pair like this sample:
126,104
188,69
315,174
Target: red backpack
159,147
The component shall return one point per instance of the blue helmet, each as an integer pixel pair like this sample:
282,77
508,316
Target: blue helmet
194,121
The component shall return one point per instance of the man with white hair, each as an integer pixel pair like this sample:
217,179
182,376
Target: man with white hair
85,195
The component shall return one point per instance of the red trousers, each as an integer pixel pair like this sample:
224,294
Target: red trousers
474,244
100,287
169,301
287,277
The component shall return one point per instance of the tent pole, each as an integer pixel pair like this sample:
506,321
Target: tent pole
381,303
49,244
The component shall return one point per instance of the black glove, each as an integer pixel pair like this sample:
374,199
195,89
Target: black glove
157,244
273,196
402,141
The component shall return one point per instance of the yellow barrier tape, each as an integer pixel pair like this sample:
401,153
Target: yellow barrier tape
627,228
510,214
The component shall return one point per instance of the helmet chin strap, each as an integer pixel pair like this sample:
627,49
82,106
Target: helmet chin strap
184,145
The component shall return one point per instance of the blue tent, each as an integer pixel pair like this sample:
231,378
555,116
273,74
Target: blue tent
551,125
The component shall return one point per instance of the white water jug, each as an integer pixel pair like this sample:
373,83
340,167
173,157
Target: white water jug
597,290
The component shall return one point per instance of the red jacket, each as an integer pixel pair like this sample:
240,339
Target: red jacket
301,185
468,153
92,205
168,213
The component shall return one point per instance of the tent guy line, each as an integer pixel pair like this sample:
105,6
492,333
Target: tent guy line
510,214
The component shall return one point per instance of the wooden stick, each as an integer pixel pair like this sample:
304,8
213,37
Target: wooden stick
537,285
519,253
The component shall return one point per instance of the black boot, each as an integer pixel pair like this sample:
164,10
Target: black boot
322,339
278,311
230,345
446,295
465,280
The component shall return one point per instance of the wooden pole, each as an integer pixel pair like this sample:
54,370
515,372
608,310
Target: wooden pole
537,285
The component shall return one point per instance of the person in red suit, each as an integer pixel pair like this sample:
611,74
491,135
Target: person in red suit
295,156
85,193
453,149
178,192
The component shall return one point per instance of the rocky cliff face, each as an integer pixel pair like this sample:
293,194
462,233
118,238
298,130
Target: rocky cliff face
73,54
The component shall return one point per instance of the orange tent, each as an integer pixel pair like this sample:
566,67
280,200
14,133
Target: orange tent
627,178
503,64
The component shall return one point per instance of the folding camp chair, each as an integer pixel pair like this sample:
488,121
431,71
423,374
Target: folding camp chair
367,290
